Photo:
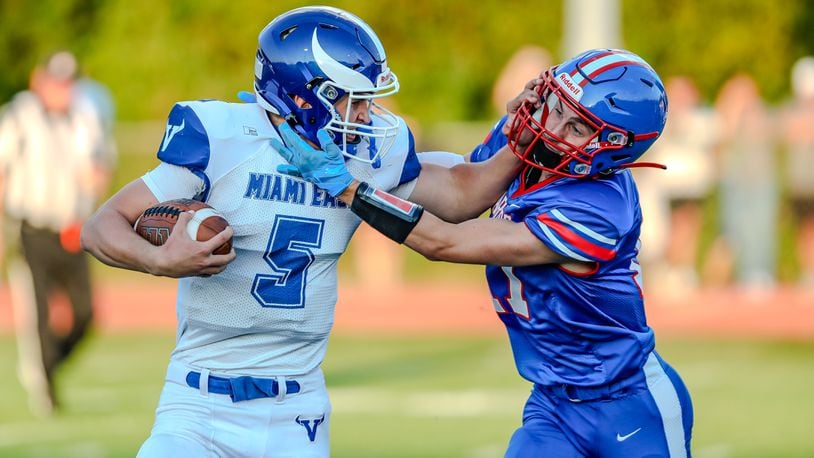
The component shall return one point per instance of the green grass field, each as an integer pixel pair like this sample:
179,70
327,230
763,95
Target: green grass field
419,397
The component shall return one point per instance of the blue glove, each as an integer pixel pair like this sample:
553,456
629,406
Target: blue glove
325,168
247,97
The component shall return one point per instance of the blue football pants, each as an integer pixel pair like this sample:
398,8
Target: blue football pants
651,417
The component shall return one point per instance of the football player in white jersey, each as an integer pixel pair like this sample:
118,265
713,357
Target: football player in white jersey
244,378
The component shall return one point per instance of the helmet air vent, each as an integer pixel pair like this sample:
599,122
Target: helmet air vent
285,33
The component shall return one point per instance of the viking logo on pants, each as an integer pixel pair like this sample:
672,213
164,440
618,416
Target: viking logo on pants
310,427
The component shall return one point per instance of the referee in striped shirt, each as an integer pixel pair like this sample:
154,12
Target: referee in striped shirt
56,154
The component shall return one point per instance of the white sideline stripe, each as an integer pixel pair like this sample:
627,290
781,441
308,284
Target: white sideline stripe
664,393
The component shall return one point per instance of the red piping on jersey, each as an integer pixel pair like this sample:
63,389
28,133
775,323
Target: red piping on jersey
638,286
488,137
594,270
522,189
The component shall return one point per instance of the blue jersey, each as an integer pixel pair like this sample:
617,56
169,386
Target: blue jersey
582,329
491,145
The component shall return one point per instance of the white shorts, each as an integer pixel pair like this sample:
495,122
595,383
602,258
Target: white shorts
199,422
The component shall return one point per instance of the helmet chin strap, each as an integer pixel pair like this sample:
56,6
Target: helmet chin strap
543,156
635,165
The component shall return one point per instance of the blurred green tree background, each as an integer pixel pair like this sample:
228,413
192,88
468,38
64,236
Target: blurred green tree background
447,53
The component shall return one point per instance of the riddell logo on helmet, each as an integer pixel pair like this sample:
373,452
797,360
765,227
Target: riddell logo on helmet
384,77
565,82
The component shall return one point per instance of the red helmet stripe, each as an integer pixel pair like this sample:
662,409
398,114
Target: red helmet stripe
608,67
596,57
589,60
601,62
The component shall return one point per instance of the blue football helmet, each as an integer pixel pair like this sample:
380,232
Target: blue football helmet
323,54
616,93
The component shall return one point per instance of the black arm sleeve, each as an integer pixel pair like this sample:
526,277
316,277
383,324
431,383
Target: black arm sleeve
388,214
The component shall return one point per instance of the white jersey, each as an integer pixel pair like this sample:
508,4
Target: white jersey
270,312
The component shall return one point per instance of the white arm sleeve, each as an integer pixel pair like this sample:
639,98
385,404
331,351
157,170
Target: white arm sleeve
404,190
442,158
168,181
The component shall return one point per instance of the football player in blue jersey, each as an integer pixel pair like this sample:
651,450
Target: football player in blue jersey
244,378
561,252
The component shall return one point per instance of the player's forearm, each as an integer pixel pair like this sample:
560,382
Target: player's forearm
464,191
475,241
438,240
109,237
491,178
430,236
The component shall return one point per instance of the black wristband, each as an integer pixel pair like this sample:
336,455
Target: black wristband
388,214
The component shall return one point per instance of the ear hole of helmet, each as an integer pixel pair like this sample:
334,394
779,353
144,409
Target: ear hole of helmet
618,138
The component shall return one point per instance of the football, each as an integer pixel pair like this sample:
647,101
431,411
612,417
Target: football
156,223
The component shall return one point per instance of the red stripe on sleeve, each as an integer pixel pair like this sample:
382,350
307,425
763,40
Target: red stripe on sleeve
591,249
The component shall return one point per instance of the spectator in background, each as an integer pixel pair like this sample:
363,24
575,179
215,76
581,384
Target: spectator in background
798,139
673,202
527,60
749,188
55,159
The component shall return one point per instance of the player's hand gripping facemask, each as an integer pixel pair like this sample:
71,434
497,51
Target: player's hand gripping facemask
325,168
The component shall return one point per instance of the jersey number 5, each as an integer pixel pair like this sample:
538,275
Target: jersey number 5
288,254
